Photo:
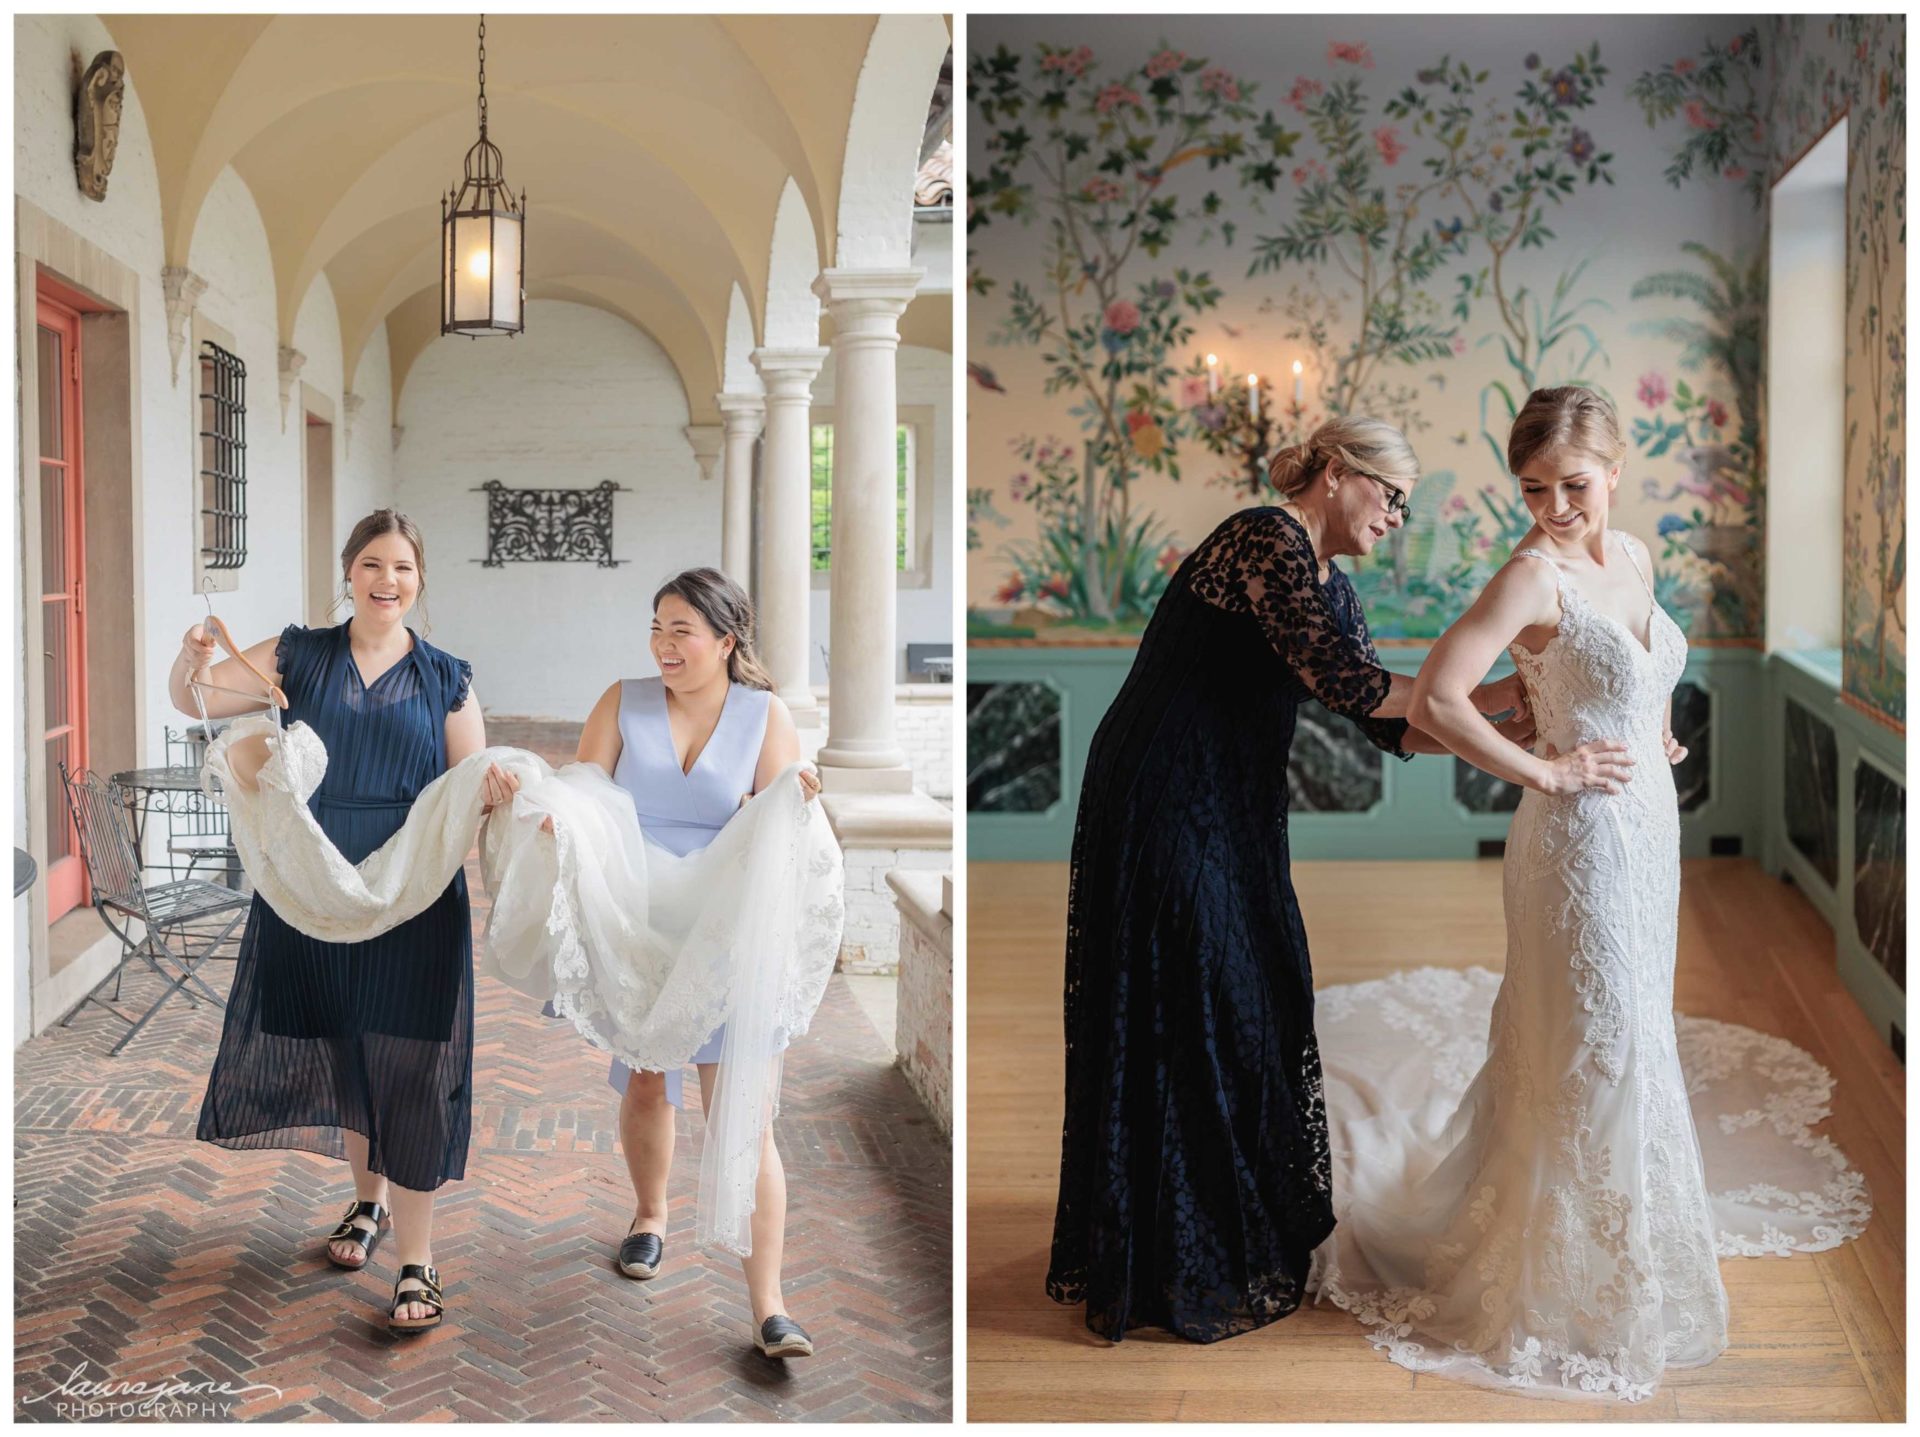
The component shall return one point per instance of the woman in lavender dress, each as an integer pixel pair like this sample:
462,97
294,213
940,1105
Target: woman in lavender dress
692,746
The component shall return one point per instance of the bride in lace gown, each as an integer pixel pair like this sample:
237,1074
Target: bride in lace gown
1536,1175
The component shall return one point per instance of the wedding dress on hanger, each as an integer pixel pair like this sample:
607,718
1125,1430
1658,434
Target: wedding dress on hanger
646,951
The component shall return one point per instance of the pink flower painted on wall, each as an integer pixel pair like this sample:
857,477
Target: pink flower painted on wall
1698,117
1170,558
1304,89
1123,316
1387,141
1193,391
1716,414
1219,82
1020,487
1683,66
1653,389
1104,191
1165,63
1113,97
1360,55
1009,592
1069,62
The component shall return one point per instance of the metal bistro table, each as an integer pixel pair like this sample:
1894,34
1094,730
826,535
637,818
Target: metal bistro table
174,790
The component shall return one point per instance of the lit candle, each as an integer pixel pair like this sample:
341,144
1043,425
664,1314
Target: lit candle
1253,395
1213,377
1299,385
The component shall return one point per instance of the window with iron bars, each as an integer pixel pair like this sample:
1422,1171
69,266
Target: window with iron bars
223,458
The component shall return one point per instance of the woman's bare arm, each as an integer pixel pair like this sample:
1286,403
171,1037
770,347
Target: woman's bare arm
1521,595
600,736
780,748
196,660
466,730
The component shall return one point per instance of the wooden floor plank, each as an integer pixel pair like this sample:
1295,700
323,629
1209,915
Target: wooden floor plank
1812,1338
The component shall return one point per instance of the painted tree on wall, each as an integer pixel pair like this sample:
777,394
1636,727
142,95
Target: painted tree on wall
1875,546
1492,163
1091,159
1718,92
1714,540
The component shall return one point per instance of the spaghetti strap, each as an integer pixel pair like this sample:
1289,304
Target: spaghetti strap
1627,543
1559,574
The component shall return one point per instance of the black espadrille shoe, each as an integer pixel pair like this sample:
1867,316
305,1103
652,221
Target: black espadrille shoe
640,1255
781,1336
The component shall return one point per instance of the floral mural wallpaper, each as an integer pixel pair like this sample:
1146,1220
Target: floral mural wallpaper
1191,240
1821,67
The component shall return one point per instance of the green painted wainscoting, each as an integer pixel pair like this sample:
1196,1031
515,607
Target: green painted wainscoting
1836,825
1417,814
1785,759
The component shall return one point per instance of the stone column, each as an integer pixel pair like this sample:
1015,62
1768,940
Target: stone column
861,752
786,526
742,416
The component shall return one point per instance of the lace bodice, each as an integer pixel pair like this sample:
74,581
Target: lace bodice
1594,679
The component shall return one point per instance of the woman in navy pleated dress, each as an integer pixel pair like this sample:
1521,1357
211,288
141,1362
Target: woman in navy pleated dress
359,1050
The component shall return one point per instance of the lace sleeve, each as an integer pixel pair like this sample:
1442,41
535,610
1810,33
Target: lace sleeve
1390,734
1262,564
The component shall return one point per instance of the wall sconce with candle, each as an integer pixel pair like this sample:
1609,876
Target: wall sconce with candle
1239,417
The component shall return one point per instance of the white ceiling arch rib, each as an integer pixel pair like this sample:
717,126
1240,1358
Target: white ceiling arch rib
656,150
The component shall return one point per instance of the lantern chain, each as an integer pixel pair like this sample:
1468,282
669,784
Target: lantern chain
483,77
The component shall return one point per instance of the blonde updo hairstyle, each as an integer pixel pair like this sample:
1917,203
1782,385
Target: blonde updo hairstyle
1571,417
1364,445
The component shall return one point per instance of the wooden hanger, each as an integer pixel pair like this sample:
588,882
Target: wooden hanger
217,627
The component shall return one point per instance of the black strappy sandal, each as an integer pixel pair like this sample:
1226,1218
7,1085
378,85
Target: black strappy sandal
428,1295
366,1239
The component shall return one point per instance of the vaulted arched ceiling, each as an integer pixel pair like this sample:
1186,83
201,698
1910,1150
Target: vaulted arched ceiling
654,150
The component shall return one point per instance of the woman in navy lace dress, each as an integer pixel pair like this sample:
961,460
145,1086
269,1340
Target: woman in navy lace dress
1194,1177
361,1050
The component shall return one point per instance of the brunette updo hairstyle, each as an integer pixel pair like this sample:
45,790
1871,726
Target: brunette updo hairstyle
376,524
728,611
1364,445
1570,417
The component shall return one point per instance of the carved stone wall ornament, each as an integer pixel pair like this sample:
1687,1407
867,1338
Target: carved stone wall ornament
182,289
550,525
291,363
96,121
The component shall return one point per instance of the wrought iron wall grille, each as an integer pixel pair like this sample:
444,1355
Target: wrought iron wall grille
550,525
223,458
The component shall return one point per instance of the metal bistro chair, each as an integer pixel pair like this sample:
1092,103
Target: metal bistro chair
198,828
183,921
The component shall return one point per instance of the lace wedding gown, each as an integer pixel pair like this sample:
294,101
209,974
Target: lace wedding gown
647,951
1535,1175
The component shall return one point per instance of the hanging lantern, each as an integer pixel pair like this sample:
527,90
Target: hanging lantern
482,254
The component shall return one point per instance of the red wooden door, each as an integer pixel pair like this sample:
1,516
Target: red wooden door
63,590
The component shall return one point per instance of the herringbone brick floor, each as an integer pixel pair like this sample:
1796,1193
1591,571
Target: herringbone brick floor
144,1256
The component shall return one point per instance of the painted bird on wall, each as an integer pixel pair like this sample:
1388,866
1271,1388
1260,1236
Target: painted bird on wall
984,377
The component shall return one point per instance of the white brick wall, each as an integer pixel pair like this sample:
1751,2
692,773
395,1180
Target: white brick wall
580,397
871,942
923,722
923,1029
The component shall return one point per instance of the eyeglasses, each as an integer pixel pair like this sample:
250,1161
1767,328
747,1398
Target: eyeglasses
1396,498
